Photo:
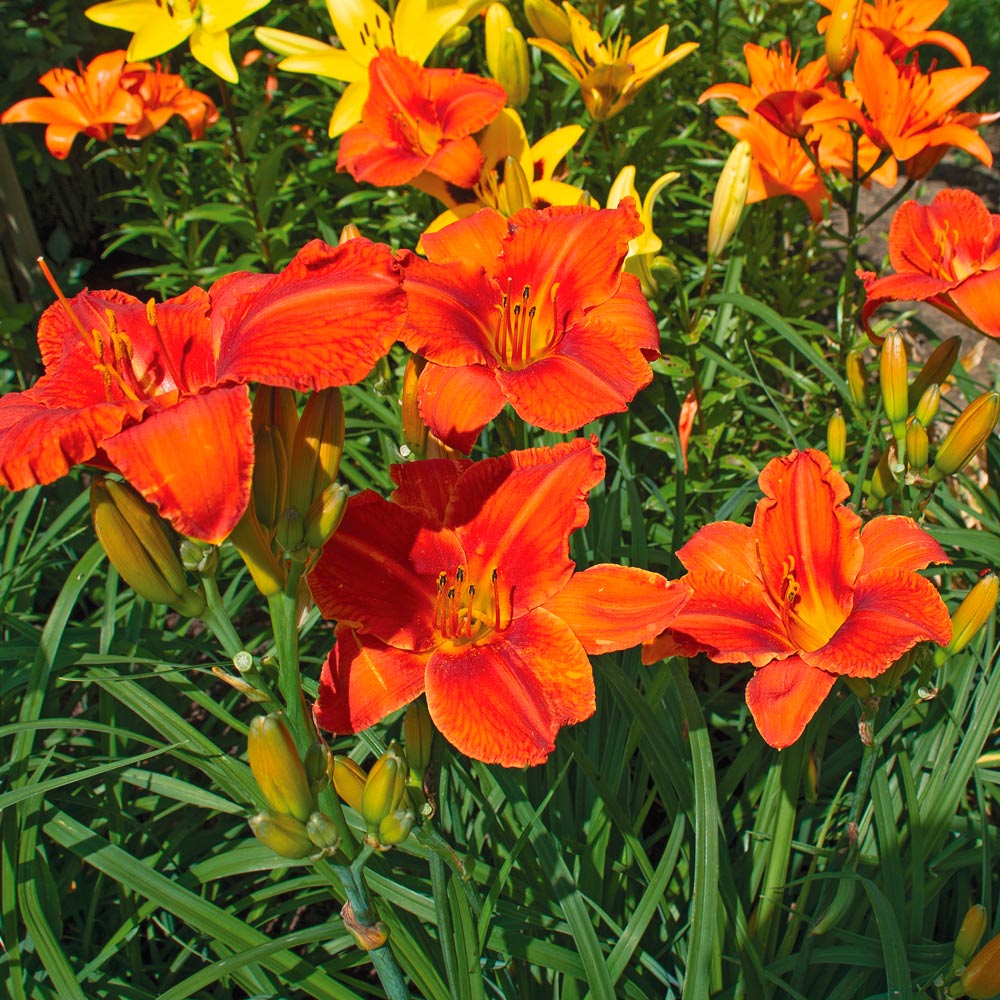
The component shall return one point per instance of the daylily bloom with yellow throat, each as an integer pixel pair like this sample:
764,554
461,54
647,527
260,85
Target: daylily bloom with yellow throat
92,101
462,588
946,254
805,594
158,392
533,310
161,25
364,28
612,73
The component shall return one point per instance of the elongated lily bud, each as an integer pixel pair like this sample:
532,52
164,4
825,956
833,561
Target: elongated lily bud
927,405
857,380
895,382
513,71
730,198
140,547
936,368
967,435
836,439
274,407
918,447
516,189
325,515
348,780
981,978
277,768
969,935
348,233
284,835
415,431
842,35
418,737
384,795
317,765
270,472
255,550
548,20
323,833
971,615
316,451
395,828
455,36
497,21
290,533
883,483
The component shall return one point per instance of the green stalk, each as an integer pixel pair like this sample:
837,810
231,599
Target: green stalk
283,608
442,914
217,618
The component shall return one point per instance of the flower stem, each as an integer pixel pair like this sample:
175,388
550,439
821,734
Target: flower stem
283,607
217,618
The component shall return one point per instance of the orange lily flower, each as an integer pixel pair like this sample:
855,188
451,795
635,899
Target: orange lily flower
805,594
902,25
905,110
164,95
462,587
533,310
417,120
91,101
946,254
159,394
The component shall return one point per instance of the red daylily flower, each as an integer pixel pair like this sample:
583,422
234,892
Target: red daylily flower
946,254
158,392
164,95
462,587
805,594
91,101
533,310
417,120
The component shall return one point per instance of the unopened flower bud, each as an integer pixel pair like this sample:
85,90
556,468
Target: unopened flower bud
323,833
969,935
883,483
516,189
348,780
497,20
730,198
384,789
317,766
140,547
198,557
316,450
936,368
894,382
513,68
548,20
276,407
418,738
971,615
290,533
395,828
981,978
348,233
857,380
918,447
415,431
284,835
277,768
255,550
455,36
325,515
967,435
928,404
836,439
270,472
842,35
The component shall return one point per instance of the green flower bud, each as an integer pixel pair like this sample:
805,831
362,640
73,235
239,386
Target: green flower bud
323,833
918,446
969,935
348,781
270,473
836,439
895,382
141,547
384,789
971,615
883,483
730,198
548,20
277,768
316,450
394,829
418,738
317,766
284,835
927,404
857,380
936,368
967,435
325,515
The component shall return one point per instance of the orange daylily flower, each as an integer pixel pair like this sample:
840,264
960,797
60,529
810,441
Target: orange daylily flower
164,95
902,25
946,254
159,392
805,594
905,110
533,310
417,120
462,587
91,101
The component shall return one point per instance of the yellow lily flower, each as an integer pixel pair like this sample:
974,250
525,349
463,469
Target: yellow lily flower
611,73
363,28
647,244
505,136
160,25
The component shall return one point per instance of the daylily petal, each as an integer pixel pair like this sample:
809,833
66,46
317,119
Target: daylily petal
898,543
477,241
457,403
458,162
324,320
206,493
515,514
722,546
363,681
783,696
503,703
427,487
978,298
670,643
893,610
47,110
366,156
617,607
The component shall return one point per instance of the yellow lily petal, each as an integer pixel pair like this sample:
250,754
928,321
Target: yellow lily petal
363,28
211,49
552,149
560,193
649,50
565,58
418,27
503,137
159,33
287,43
348,109
331,63
623,186
221,15
129,15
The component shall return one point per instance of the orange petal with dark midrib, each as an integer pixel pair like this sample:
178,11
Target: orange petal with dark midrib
504,702
457,403
894,542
